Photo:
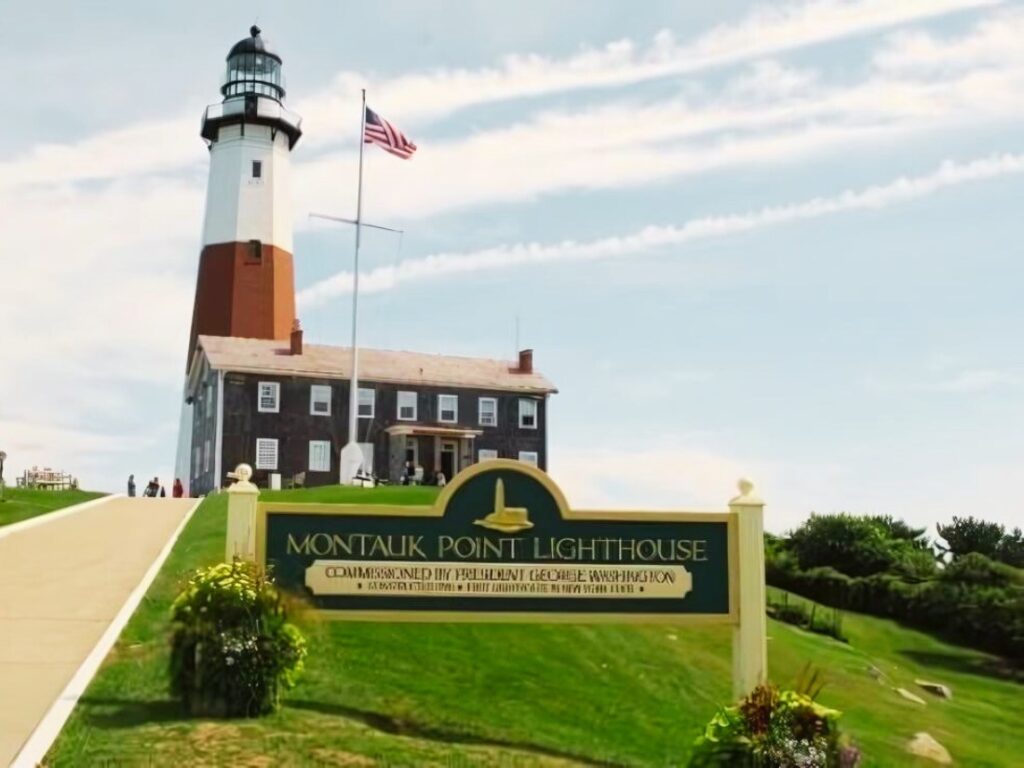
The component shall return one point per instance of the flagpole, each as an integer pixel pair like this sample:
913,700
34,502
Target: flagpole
352,455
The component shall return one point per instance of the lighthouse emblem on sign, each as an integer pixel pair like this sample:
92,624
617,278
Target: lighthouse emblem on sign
505,519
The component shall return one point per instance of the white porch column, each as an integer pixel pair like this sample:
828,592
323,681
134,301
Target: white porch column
243,497
750,635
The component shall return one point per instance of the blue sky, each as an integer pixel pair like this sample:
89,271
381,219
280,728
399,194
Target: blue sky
777,240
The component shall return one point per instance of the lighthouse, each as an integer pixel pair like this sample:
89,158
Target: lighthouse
245,285
246,281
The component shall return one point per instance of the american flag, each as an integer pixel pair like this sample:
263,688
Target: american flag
380,131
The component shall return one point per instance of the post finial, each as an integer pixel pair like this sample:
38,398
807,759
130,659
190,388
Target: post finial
243,480
242,473
747,493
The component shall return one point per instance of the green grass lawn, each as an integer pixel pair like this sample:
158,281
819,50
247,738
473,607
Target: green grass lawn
422,694
23,503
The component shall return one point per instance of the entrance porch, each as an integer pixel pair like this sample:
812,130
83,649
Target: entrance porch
430,449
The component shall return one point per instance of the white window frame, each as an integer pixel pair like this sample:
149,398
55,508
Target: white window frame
441,409
206,457
321,390
486,454
524,457
276,388
197,463
319,455
480,412
266,442
373,403
536,413
415,406
208,397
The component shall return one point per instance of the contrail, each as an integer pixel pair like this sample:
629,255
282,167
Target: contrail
902,189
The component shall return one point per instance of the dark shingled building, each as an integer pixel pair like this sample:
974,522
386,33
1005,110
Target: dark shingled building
283,408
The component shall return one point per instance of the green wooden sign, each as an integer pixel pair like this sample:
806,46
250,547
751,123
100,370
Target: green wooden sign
501,544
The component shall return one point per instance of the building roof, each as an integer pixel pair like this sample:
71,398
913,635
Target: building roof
229,353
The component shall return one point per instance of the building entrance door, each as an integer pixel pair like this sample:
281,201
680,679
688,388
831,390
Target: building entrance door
449,458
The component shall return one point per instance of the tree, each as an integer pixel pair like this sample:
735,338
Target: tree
898,529
1011,549
856,546
967,534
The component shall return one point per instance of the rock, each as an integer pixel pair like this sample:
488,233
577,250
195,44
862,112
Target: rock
923,745
937,689
910,696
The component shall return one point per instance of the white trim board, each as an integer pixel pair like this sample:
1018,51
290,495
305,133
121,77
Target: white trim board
57,514
46,732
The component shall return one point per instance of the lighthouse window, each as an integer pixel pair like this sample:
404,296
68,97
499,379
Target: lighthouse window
257,169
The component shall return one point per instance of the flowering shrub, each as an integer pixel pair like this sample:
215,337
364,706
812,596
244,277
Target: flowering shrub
774,729
233,648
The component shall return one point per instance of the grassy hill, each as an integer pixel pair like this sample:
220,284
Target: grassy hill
379,694
23,503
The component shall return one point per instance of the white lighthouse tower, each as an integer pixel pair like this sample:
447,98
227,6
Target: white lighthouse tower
246,283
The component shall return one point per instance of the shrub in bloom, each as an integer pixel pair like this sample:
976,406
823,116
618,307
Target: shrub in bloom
233,649
774,729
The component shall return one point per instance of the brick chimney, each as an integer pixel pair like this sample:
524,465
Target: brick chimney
525,361
296,338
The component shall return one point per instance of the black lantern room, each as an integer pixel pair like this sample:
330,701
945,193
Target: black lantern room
253,68
253,92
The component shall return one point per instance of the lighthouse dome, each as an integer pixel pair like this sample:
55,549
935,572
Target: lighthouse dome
253,68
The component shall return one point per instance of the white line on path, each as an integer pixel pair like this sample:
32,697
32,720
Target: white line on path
49,727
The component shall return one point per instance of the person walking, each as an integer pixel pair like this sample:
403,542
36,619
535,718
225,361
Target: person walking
178,490
131,486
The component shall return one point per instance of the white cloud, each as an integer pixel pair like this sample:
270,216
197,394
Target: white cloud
767,30
690,473
769,114
157,146
687,475
979,380
652,238
965,381
995,41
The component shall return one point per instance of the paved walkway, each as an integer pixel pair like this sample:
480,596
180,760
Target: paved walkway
61,585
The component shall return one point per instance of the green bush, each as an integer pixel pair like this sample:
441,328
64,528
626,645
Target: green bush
974,568
861,546
233,648
974,600
1011,549
812,617
774,729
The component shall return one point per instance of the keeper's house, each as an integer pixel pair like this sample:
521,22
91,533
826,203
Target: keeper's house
282,407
